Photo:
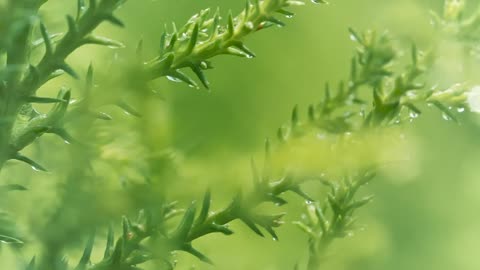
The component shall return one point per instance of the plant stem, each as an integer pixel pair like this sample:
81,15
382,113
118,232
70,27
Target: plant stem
218,43
17,85
17,58
7,115
72,40
317,253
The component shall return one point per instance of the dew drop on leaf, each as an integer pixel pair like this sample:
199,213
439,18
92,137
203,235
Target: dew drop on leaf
193,86
35,168
173,79
183,37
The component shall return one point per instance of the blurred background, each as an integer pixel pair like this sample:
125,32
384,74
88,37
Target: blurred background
426,211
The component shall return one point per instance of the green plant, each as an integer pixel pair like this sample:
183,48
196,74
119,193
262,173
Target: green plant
191,46
346,117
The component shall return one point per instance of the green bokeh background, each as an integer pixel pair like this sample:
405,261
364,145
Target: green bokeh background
425,215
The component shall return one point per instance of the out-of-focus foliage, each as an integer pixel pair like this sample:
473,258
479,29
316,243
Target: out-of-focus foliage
154,171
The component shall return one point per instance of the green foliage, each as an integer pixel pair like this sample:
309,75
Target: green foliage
385,89
203,38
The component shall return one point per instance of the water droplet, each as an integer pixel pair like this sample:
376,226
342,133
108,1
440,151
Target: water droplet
446,117
183,37
353,37
117,46
289,16
308,202
37,169
460,109
275,238
173,79
413,115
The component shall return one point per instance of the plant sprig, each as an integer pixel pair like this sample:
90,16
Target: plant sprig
144,240
190,46
203,38
148,237
335,218
396,96
79,33
394,91
25,124
20,92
